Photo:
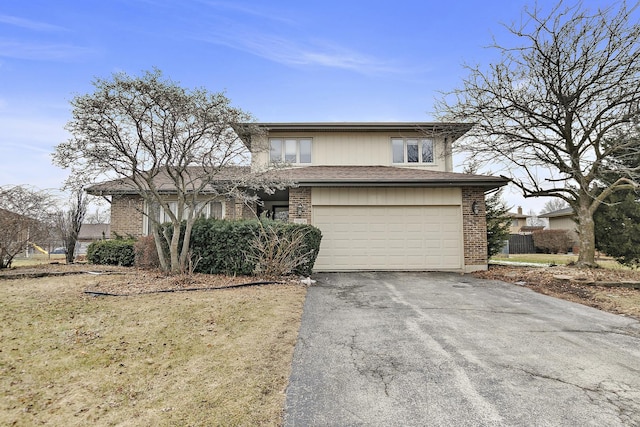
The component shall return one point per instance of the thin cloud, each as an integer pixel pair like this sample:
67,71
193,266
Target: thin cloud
41,51
284,51
246,10
29,24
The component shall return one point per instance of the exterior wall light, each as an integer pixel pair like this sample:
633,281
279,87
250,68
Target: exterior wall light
474,208
299,209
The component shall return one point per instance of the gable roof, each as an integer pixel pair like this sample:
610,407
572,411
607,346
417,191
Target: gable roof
446,129
559,212
516,215
94,231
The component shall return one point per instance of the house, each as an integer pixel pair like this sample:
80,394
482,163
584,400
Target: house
518,220
564,219
90,233
384,195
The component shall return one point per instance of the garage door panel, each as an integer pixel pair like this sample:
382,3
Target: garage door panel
389,237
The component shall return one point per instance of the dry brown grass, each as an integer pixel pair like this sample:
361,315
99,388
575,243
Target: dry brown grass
587,287
191,358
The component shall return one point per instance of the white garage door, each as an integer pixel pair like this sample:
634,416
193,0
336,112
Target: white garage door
389,237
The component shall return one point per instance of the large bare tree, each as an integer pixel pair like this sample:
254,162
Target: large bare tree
25,215
556,106
158,137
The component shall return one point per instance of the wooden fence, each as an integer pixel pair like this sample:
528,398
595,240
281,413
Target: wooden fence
521,244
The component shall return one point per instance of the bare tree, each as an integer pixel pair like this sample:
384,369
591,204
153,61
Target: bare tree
553,205
157,136
533,220
25,215
98,215
68,222
556,107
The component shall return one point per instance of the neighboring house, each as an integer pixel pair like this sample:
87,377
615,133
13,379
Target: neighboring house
564,219
518,220
384,195
90,233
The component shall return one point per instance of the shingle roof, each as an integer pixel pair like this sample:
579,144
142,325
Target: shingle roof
328,176
559,212
94,231
517,215
164,183
383,176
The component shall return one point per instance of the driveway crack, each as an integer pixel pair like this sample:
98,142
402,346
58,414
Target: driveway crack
623,397
378,366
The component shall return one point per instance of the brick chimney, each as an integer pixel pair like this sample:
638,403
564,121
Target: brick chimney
519,210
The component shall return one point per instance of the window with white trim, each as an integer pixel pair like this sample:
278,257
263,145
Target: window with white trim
290,150
210,210
412,150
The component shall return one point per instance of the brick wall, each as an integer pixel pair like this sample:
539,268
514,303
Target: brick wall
474,227
300,196
126,216
237,209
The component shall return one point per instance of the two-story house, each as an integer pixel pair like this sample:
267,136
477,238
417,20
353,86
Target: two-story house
384,195
518,220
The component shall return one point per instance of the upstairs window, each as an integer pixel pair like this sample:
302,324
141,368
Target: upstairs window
290,150
412,150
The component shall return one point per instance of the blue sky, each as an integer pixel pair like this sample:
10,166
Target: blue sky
279,60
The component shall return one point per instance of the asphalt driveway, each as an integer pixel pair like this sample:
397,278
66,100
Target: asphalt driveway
444,349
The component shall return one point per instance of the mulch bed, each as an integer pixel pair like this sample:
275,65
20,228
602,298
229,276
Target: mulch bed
124,281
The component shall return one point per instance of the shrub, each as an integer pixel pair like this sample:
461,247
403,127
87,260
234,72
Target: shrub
112,252
146,255
617,227
552,241
497,223
229,247
279,249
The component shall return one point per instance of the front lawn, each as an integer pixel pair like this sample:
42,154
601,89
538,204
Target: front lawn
557,259
188,358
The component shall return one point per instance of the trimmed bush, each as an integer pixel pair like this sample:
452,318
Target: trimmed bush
228,247
552,241
220,247
112,252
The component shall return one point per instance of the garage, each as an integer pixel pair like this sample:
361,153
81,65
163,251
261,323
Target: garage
388,229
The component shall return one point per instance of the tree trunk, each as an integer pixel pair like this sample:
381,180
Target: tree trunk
186,242
158,239
586,231
173,250
71,249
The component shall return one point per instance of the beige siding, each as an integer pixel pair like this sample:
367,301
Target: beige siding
259,153
562,223
353,149
388,196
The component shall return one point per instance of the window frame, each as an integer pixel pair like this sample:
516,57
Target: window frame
173,204
283,150
412,141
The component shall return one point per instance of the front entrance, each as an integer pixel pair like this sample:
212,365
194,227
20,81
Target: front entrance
274,206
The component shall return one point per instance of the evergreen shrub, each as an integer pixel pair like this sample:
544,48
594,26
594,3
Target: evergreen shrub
112,252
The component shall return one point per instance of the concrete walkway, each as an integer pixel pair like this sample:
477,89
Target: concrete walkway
444,349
